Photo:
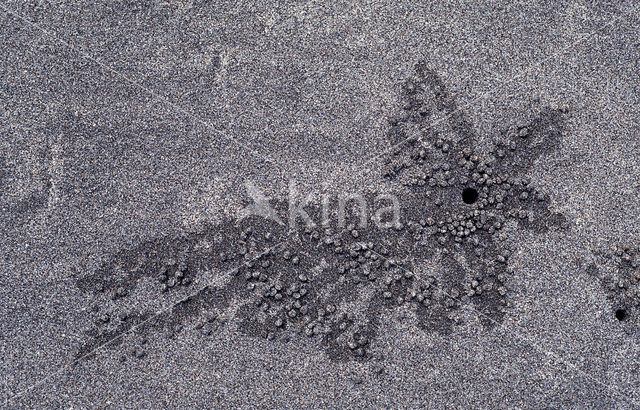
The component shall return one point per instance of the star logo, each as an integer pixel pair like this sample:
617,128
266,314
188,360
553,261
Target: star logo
260,207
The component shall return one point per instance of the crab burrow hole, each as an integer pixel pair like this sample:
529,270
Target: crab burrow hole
469,195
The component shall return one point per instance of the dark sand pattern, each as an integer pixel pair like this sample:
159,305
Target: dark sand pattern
331,282
619,274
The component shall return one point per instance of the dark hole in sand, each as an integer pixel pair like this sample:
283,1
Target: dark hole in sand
469,195
621,314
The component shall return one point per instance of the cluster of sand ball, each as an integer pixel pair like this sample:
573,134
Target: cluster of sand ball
458,202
